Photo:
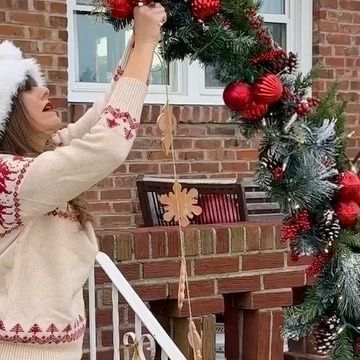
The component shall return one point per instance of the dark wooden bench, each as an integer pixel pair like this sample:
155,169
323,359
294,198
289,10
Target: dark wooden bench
222,201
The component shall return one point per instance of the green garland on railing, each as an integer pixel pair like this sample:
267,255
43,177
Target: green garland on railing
302,162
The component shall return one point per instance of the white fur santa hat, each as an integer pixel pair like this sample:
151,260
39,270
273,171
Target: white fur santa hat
14,70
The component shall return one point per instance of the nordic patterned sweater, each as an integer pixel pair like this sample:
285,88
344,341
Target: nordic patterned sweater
45,255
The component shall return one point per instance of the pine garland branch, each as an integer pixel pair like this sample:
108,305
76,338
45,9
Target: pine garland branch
300,320
344,348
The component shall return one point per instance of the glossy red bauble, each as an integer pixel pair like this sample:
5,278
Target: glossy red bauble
205,9
121,9
349,186
348,213
255,111
268,89
237,96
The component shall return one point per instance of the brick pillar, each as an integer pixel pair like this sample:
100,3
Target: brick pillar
253,323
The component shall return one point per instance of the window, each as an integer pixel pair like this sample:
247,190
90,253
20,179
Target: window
94,50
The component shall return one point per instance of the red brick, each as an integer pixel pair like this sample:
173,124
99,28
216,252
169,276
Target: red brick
238,284
199,306
222,240
146,168
12,31
130,271
252,237
338,39
203,288
111,221
304,260
190,130
55,48
151,292
257,326
58,7
248,154
181,168
205,167
141,245
190,155
265,300
216,265
349,5
220,155
99,207
115,194
284,280
221,130
262,261
235,166
207,144
174,245
158,244
27,18
277,342
161,269
184,144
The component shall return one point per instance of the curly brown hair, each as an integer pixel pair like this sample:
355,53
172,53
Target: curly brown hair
22,139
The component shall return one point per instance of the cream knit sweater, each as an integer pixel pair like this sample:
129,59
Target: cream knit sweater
45,257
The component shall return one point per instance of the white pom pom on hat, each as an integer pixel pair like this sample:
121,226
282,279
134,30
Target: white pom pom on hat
14,70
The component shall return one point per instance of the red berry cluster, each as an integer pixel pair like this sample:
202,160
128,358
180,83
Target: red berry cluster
304,107
294,225
268,56
318,263
256,23
254,19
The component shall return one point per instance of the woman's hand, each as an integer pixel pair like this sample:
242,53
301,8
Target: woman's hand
148,22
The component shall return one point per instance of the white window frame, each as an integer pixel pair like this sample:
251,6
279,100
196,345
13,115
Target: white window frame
187,84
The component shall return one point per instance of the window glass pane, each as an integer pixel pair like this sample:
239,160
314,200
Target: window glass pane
99,49
84,2
273,7
278,33
210,81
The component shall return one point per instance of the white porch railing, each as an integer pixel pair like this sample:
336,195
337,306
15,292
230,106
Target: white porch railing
143,316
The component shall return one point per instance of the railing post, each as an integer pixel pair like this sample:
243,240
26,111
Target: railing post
116,325
92,314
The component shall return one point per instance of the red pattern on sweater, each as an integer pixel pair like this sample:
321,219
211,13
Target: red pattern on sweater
117,118
35,335
11,176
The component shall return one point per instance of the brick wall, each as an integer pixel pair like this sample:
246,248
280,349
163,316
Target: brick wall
241,270
337,46
209,145
39,28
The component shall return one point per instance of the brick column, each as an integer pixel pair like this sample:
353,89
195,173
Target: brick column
253,323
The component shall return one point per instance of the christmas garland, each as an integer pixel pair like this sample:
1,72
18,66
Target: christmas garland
302,162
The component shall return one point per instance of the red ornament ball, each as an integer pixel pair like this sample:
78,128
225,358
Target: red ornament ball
205,9
255,111
349,186
268,89
278,174
237,96
348,213
121,9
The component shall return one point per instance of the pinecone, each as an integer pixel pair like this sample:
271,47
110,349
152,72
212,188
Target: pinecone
328,226
326,334
292,62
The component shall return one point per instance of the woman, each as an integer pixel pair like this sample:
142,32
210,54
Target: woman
47,246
